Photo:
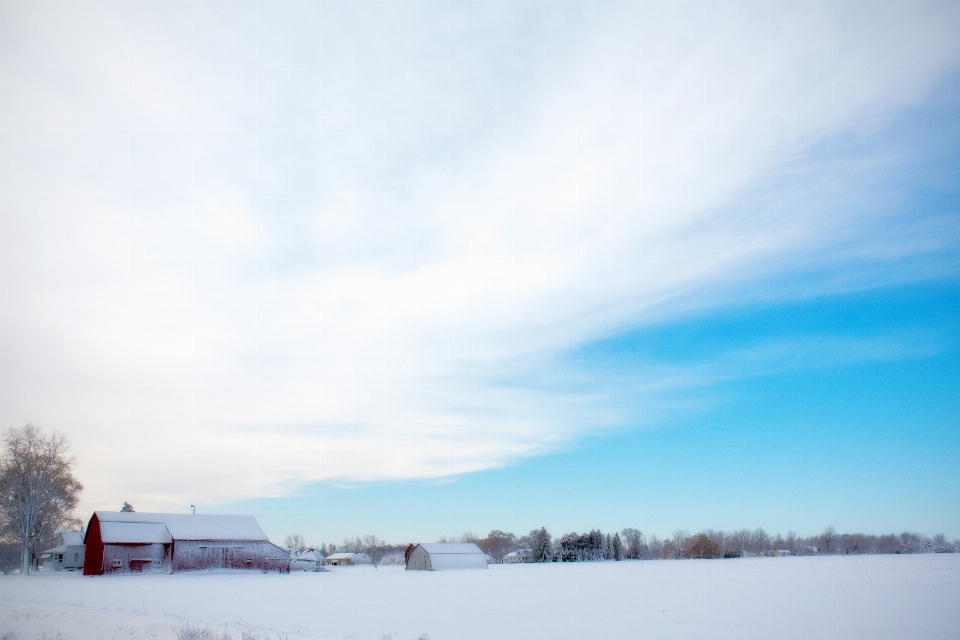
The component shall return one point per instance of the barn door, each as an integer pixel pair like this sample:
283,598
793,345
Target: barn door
224,558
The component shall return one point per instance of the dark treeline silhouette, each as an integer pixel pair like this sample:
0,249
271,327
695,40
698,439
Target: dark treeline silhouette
633,544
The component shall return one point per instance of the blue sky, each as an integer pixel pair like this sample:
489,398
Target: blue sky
865,441
662,265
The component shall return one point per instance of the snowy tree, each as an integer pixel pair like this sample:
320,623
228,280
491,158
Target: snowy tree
37,489
607,548
617,549
127,507
541,545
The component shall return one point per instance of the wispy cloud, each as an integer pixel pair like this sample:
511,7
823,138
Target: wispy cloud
244,251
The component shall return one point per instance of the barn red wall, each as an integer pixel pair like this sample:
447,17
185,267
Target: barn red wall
93,559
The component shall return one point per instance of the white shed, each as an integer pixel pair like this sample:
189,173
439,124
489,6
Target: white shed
348,559
439,556
305,560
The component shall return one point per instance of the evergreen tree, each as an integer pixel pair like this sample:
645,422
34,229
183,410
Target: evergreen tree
617,547
542,549
127,507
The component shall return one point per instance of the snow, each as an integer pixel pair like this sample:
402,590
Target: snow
451,547
839,597
134,532
193,527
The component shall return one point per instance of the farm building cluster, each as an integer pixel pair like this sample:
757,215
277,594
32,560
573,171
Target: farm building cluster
133,542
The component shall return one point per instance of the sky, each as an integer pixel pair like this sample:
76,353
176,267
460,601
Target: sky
422,268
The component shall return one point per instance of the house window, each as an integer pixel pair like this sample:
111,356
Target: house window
117,562
156,564
76,557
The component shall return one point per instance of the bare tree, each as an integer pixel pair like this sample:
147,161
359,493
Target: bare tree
295,541
827,537
37,489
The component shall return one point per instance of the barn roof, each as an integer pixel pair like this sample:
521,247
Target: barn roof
455,555
190,526
134,533
451,547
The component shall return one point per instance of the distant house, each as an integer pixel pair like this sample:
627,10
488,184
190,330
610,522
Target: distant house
439,556
137,542
520,555
348,559
67,555
307,560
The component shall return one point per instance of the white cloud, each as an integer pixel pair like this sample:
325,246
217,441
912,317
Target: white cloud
297,244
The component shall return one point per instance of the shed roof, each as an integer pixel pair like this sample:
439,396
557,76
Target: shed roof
341,556
60,549
190,526
134,533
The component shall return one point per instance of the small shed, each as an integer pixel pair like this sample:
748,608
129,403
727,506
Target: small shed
307,560
348,559
440,556
520,555
67,555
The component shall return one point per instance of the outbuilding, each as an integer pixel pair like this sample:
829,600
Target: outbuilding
348,559
438,556
520,555
68,555
133,542
307,560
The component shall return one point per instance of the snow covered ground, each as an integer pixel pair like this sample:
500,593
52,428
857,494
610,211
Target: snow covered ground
911,596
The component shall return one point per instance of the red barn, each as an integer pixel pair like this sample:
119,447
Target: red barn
169,542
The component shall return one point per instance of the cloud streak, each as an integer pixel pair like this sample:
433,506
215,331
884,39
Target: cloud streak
248,250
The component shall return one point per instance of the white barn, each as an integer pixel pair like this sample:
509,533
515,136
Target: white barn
348,559
67,555
439,556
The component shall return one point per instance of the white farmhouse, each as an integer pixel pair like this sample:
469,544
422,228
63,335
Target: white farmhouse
521,555
442,555
67,555
348,559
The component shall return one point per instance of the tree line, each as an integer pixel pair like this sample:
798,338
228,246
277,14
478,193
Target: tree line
633,544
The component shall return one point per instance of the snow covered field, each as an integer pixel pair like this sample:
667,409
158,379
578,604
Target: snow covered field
910,596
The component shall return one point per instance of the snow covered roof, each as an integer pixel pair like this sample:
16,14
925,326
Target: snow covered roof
134,533
451,547
340,556
455,555
60,549
190,526
71,538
